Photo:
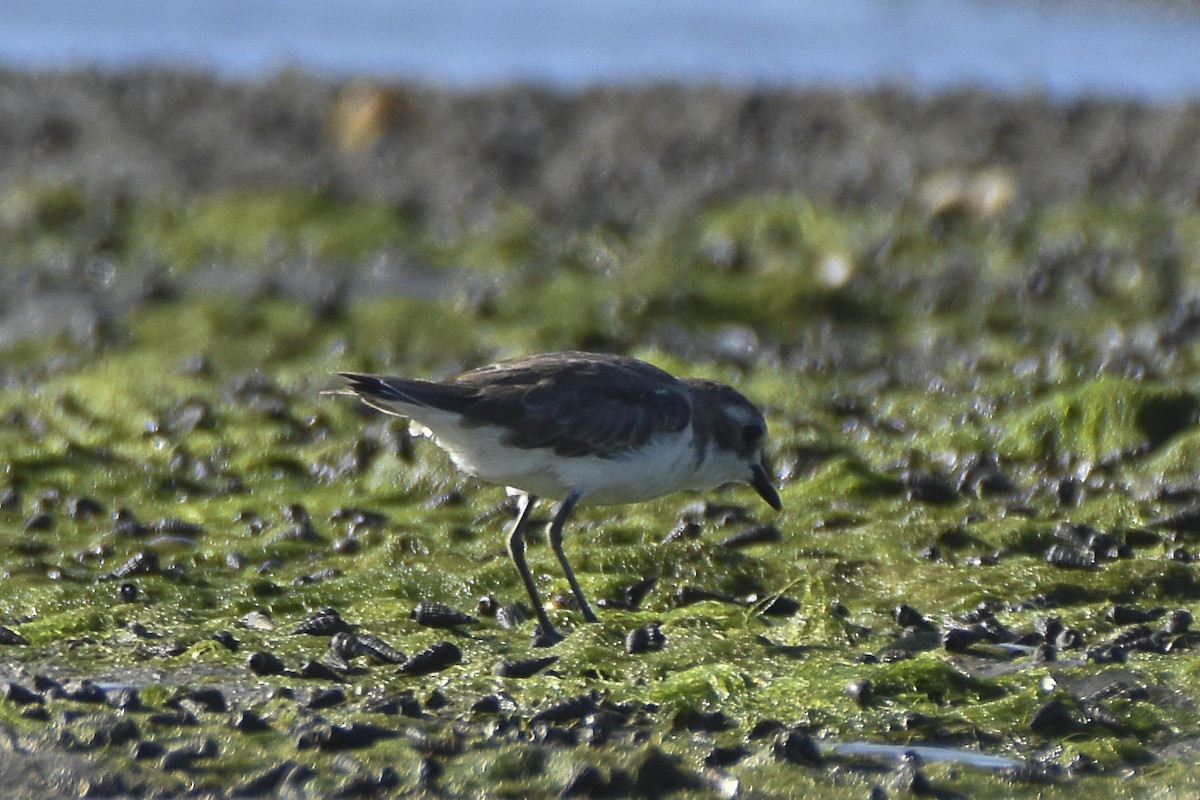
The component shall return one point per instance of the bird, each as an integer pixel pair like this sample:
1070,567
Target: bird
580,428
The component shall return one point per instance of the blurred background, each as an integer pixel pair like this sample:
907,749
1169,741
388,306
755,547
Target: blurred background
1062,47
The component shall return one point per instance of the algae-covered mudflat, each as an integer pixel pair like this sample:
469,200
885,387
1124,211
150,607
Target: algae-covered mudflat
973,323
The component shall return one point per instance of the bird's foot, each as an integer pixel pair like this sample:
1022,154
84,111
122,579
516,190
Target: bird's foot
546,636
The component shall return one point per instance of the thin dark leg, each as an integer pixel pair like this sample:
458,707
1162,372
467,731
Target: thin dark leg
516,549
556,532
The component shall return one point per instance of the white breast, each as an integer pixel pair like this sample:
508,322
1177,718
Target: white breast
666,465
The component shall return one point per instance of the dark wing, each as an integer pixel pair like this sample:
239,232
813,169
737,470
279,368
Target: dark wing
393,394
577,404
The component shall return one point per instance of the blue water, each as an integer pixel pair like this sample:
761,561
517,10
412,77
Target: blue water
1065,48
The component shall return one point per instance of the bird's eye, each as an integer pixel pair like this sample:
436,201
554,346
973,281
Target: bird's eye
752,434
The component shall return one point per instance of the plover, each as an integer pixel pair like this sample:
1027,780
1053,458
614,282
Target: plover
583,428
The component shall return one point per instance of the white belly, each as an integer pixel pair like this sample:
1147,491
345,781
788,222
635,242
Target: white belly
668,464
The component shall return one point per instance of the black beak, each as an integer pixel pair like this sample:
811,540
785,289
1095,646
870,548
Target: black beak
762,484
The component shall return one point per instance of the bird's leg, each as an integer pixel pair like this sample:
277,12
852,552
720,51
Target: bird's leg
516,549
556,532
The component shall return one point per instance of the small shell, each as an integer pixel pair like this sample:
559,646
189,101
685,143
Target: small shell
524,668
440,615
433,658
378,649
264,663
645,639
571,709
9,636
325,622
143,562
1061,555
758,534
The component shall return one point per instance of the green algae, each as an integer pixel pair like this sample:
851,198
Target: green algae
248,433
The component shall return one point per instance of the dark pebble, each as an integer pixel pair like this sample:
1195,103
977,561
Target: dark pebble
44,683
908,617
310,578
125,698
958,640
861,691
433,658
1049,628
183,756
114,732
703,721
764,728
226,640
168,648
659,775
368,785
720,757
1186,521
404,704
82,691
647,638
1053,717
440,615
1130,635
326,698
346,545
797,747
586,781
358,517
36,712
510,616
10,498
9,636
488,704
523,668
174,526
634,593
343,737
83,507
683,530
265,783
599,726
428,772
325,622
776,606
127,592
21,695
1067,557
909,779
571,709
145,750
928,488
175,718
378,649
317,671
1068,639
207,699
1179,621
42,521
1108,654
264,663
247,721
143,562
689,595
758,534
